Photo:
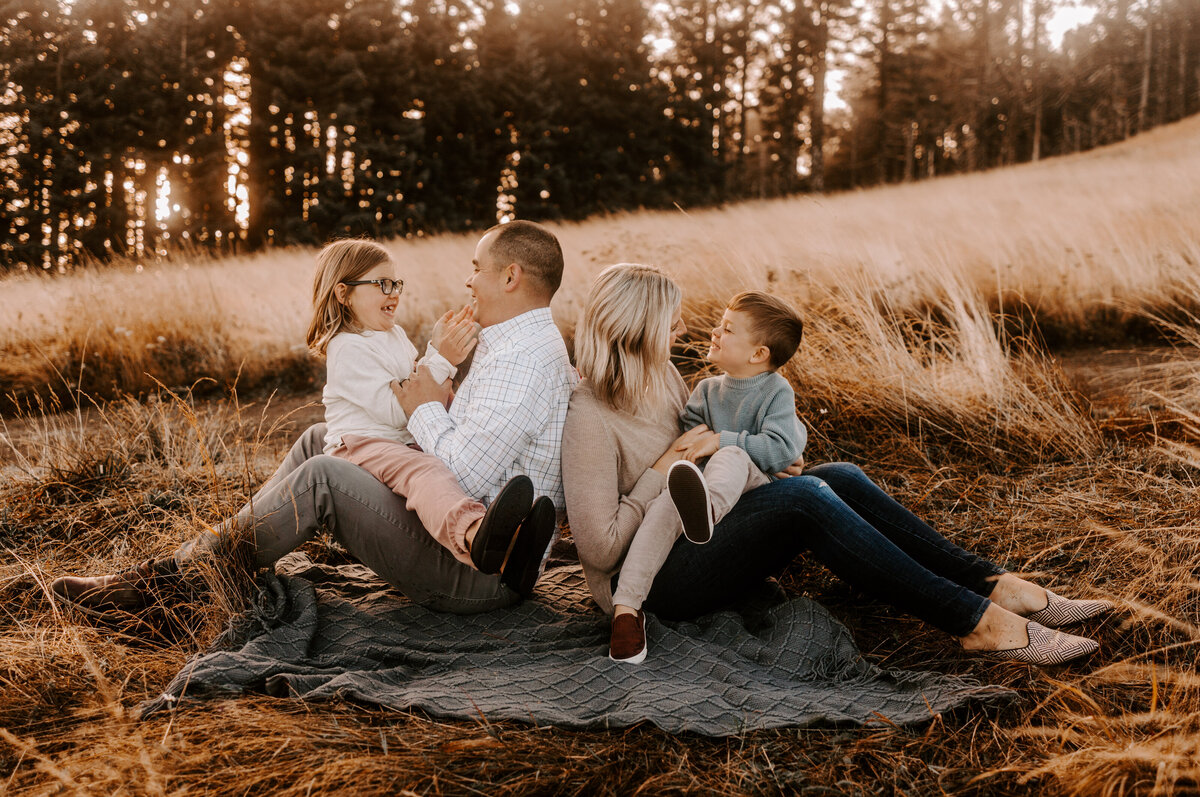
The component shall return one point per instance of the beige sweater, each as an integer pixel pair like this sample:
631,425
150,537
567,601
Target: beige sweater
608,475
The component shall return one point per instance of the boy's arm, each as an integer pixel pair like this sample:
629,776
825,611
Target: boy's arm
781,436
694,412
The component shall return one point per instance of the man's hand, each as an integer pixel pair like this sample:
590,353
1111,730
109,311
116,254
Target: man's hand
795,469
703,446
420,388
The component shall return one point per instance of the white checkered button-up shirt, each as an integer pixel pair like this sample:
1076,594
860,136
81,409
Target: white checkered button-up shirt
507,415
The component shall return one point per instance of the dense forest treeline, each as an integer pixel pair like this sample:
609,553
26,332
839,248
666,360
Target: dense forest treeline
129,126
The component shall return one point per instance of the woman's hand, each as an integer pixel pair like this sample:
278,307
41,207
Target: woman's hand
795,469
676,451
455,334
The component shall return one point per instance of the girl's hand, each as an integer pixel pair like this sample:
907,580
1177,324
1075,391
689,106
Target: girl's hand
703,446
455,335
675,451
795,469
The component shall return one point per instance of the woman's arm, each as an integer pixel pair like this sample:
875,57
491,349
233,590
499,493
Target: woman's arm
602,520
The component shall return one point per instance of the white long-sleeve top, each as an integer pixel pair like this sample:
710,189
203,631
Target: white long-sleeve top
358,396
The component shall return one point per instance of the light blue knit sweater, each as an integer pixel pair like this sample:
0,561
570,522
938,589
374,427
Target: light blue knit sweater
757,414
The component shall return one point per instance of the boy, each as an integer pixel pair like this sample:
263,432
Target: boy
750,410
751,413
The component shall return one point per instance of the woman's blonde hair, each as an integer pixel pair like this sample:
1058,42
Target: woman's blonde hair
623,341
338,262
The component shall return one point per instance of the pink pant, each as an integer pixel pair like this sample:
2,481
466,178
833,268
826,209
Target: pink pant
425,482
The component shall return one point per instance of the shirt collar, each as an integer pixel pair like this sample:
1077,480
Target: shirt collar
514,327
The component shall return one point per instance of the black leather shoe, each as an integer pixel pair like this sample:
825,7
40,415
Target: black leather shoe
524,565
500,524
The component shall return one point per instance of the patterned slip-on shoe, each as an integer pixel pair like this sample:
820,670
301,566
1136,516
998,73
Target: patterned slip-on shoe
127,592
500,524
628,642
528,557
1060,612
1048,647
689,493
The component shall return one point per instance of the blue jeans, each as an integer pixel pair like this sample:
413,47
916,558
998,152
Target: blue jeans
850,525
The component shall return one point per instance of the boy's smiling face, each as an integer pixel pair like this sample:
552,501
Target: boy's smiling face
734,350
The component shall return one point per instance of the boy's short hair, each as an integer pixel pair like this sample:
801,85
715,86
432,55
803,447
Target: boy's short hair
534,247
773,323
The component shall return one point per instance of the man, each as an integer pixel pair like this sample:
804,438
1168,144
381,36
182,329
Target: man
506,419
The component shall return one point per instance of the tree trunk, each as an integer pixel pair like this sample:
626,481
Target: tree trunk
885,20
909,147
1147,59
1039,9
820,55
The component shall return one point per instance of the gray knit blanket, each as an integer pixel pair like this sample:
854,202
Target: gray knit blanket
319,631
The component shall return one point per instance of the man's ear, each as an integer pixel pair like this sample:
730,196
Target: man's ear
761,355
339,292
513,274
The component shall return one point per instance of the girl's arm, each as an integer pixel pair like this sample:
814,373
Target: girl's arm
356,372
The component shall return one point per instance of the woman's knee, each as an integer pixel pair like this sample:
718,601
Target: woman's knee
838,473
808,487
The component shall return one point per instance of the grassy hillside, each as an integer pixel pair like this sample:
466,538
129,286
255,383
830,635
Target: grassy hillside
935,314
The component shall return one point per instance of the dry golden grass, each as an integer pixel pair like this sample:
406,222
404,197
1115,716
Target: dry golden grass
921,362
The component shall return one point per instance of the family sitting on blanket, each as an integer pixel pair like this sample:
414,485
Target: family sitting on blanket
433,490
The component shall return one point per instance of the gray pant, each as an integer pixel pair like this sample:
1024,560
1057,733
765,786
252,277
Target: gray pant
311,491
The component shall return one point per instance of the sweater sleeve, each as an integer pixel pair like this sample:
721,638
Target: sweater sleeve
359,374
693,412
781,436
602,520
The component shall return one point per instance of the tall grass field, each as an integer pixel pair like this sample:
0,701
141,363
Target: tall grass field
1014,354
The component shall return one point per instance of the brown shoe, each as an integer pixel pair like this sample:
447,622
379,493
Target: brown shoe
1047,647
129,591
628,642
1060,612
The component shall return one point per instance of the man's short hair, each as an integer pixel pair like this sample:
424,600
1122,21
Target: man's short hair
531,246
773,323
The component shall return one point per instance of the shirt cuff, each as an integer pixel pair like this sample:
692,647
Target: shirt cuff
728,438
438,365
427,423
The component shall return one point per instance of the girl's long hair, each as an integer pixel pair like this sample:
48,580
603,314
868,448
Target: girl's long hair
338,262
623,341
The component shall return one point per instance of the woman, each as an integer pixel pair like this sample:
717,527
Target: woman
622,435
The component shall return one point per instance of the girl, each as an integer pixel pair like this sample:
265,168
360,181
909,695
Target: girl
355,293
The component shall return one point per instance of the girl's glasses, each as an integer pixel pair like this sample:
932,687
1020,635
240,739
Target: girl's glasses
386,285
